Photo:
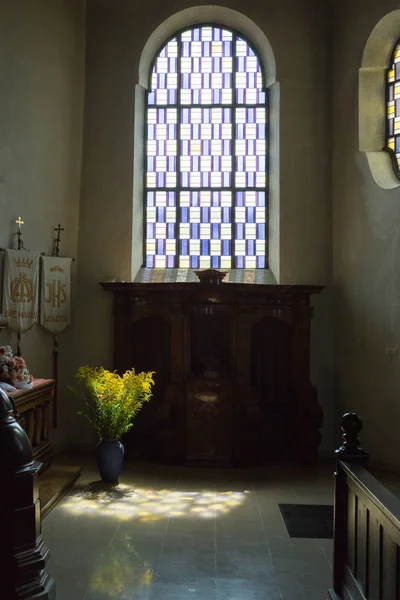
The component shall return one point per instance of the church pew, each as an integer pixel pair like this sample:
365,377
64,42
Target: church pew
366,562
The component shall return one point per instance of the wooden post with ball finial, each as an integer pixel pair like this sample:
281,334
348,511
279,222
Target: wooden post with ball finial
350,451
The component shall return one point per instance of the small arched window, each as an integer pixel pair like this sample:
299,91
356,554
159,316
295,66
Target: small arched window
393,108
205,151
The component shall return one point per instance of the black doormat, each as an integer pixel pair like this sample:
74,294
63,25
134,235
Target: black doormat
308,520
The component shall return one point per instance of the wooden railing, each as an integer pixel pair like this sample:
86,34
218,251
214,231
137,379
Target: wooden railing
367,527
33,411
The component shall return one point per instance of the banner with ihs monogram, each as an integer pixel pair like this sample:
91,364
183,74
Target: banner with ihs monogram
55,293
20,289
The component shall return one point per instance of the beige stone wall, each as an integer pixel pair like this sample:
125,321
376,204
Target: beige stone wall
366,265
48,74
41,115
117,31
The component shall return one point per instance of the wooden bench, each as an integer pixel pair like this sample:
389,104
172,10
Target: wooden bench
367,526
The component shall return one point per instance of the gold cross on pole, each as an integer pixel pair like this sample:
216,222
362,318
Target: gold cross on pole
20,222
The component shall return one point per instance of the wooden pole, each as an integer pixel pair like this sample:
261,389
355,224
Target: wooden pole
55,377
18,343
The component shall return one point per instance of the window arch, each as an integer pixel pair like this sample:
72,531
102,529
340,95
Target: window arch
393,108
205,153
373,125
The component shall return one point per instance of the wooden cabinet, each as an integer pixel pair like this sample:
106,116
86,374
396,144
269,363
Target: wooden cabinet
232,371
34,413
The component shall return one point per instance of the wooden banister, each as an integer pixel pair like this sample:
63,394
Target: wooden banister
374,495
367,526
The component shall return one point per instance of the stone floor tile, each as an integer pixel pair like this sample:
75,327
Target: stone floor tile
230,531
241,589
197,589
177,567
67,588
83,553
294,589
251,562
118,591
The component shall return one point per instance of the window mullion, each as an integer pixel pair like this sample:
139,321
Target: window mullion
233,150
145,189
178,153
266,109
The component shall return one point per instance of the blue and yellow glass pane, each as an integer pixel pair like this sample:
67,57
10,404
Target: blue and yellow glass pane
161,229
248,75
205,229
161,148
250,148
164,79
393,107
206,147
206,154
206,66
250,230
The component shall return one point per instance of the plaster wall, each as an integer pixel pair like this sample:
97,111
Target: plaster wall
366,255
41,114
116,33
42,57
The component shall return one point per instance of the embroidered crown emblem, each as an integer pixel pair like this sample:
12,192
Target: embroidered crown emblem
24,263
56,269
21,289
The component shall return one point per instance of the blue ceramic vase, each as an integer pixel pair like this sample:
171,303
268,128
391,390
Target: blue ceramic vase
110,456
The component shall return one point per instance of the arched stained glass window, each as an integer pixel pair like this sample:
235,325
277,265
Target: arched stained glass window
393,109
205,151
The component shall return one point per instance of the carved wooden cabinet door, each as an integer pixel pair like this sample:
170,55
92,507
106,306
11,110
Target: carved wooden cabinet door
209,423
210,395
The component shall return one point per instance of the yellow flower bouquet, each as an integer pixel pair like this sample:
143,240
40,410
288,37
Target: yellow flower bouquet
112,400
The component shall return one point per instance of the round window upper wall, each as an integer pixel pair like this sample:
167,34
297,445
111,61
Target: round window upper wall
208,14
377,110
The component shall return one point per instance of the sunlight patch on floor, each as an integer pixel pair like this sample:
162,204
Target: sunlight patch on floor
125,501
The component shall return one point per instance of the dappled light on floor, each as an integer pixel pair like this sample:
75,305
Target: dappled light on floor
130,502
121,566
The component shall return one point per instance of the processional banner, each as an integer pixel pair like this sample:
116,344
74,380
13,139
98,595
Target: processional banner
55,299
21,289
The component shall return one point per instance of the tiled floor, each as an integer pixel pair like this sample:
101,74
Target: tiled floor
178,533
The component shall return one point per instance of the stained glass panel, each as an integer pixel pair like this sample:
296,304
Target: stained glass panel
205,229
164,79
250,167
161,147
206,153
161,229
250,230
393,108
206,147
249,88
